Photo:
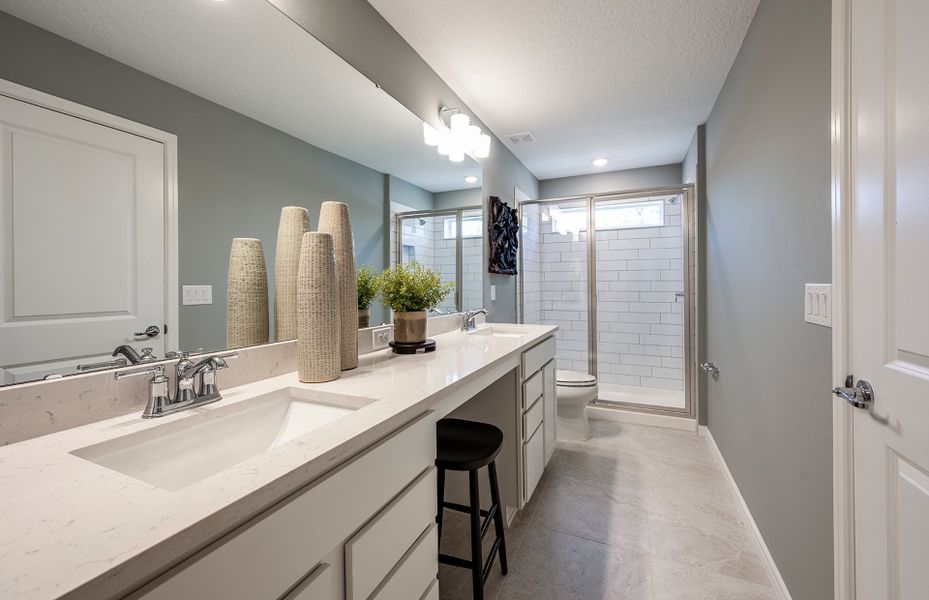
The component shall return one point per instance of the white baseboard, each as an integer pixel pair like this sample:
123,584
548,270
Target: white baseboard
777,581
641,418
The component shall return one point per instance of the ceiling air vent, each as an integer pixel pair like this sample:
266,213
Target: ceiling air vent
525,137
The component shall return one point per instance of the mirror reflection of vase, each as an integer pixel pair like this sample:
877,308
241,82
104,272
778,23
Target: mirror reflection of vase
294,222
247,295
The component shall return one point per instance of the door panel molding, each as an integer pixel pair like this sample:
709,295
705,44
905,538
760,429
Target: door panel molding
168,141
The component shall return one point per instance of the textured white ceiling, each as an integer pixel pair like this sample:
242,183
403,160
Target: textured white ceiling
625,79
247,56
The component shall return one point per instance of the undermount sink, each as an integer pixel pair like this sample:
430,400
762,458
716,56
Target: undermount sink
178,453
499,331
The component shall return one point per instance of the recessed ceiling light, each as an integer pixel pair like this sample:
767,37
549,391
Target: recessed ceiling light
471,179
599,162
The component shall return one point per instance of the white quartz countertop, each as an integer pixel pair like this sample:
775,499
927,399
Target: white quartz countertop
70,528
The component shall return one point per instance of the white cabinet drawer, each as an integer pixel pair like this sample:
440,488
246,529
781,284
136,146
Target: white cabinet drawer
532,389
534,459
316,586
538,355
268,555
532,418
550,402
416,572
379,546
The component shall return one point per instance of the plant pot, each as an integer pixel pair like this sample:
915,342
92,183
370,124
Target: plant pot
363,317
410,327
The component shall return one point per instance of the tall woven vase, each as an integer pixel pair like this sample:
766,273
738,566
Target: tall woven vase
334,220
318,318
295,221
247,295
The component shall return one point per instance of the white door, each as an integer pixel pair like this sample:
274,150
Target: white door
889,299
82,224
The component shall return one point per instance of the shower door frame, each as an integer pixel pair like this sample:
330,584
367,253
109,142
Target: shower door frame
686,191
459,245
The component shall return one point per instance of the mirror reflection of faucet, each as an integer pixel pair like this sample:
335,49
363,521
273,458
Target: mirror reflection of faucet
134,357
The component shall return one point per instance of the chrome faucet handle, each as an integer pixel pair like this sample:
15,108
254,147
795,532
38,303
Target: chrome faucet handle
147,356
467,318
212,364
159,399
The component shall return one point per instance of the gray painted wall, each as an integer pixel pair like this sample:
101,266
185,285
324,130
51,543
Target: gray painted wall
611,181
768,232
458,198
234,173
354,30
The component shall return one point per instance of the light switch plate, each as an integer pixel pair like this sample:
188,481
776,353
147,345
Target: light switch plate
493,293
817,304
196,294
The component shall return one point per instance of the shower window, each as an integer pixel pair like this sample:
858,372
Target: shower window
619,216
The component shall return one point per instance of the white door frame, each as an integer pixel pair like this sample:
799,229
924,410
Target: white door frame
843,498
168,141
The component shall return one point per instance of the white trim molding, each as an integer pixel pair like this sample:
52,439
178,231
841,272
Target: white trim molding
168,141
842,132
641,418
774,575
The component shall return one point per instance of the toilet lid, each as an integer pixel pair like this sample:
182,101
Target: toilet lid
575,379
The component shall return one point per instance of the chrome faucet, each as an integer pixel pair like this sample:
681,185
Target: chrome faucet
187,394
467,319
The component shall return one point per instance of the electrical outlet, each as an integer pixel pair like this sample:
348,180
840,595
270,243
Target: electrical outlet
380,336
817,304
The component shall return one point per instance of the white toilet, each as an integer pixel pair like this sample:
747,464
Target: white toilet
575,390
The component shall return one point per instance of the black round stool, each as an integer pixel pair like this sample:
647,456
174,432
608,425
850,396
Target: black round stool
467,446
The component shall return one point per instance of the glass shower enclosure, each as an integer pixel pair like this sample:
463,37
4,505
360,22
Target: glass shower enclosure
449,241
611,270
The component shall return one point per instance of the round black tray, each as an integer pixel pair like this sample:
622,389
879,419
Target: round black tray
402,348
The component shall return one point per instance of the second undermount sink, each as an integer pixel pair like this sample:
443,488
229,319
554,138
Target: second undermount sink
178,453
503,331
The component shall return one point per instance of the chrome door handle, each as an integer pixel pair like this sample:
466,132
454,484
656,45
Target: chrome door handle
150,331
860,396
710,368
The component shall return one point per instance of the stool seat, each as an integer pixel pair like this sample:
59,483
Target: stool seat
466,445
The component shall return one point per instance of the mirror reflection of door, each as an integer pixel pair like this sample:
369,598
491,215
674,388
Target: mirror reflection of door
83,252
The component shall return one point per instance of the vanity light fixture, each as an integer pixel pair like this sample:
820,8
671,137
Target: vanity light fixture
471,179
599,162
458,137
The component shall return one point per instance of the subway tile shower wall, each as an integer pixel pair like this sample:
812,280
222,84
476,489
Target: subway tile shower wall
639,318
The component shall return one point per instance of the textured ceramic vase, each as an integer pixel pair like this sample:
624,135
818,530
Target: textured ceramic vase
410,327
318,311
334,220
295,221
247,295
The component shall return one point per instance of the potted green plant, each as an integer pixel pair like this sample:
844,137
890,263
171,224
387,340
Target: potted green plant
410,290
368,282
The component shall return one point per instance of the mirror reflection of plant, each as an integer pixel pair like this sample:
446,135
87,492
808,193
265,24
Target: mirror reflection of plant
412,287
368,285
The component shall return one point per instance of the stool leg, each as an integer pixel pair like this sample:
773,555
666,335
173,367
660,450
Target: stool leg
477,561
498,517
440,509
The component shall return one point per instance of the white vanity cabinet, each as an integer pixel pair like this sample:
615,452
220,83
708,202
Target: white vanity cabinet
366,530
538,402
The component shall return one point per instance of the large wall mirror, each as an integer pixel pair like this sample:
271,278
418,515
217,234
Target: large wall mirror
140,138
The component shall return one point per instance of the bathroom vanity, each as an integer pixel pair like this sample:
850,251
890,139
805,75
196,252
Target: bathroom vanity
280,489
